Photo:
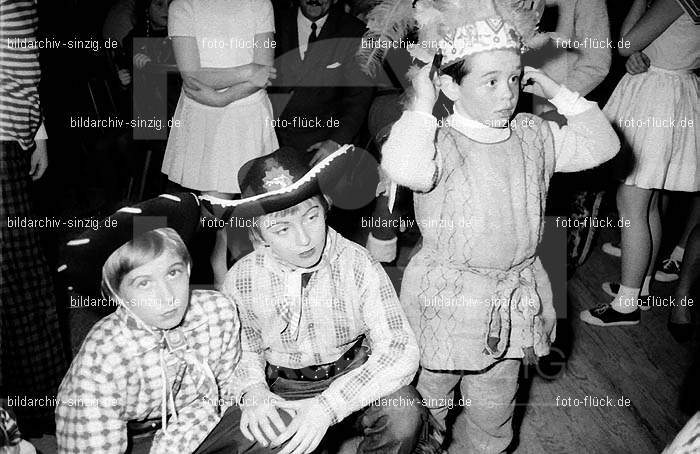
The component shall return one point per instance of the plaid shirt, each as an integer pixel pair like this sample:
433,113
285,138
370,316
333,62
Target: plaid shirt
347,296
116,377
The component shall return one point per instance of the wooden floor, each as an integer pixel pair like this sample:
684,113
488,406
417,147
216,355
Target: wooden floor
640,367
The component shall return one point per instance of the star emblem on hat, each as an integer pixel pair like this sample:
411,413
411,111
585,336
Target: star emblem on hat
277,178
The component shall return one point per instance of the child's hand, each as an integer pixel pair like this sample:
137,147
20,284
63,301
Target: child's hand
534,76
425,91
141,60
124,77
637,63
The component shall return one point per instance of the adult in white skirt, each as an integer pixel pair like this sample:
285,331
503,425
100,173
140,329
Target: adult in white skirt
225,51
655,107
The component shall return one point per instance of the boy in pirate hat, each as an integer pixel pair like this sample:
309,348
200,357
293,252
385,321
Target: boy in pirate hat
323,333
476,293
165,357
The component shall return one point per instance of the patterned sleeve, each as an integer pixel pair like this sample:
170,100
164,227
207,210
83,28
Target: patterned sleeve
227,327
587,140
250,371
89,412
394,351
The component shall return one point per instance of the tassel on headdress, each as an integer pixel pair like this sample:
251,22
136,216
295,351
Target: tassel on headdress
457,28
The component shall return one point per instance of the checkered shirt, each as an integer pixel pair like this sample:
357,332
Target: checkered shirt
116,378
348,296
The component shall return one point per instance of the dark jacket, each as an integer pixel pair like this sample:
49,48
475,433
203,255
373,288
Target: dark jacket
327,88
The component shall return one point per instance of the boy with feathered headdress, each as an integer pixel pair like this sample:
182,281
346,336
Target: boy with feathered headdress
476,293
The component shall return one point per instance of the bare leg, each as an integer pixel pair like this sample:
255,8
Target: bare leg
636,239
655,231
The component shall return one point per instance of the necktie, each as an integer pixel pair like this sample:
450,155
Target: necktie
313,37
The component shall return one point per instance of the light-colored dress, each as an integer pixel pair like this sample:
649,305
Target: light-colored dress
210,144
658,112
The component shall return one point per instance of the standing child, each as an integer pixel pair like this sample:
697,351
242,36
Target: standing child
655,107
224,50
476,293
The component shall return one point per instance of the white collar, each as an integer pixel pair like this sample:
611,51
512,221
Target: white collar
476,130
303,21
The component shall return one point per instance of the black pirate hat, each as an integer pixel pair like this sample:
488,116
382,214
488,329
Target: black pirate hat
84,256
283,178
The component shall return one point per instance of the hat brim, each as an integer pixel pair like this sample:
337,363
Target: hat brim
84,256
320,179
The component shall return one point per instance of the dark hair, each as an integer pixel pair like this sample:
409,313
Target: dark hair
457,70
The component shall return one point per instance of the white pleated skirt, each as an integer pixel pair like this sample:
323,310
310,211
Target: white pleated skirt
208,145
657,114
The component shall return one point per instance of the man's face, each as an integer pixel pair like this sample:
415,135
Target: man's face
158,10
297,238
315,9
158,292
490,91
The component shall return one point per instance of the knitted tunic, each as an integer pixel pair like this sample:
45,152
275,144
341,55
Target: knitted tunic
481,213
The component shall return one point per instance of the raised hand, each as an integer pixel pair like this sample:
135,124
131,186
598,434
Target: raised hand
534,77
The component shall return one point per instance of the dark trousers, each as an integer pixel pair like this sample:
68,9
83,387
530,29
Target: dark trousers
33,361
225,438
393,424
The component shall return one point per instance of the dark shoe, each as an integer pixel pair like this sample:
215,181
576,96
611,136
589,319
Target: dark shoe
611,288
681,332
605,315
669,272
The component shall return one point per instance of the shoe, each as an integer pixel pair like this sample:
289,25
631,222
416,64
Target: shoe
612,249
611,288
681,332
605,315
670,269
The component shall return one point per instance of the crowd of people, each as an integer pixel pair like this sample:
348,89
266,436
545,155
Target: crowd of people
288,122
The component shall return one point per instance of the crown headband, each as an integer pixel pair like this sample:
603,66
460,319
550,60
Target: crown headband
455,28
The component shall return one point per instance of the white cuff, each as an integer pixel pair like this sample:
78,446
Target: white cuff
569,102
41,133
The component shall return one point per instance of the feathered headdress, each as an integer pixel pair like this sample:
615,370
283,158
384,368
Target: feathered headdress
455,28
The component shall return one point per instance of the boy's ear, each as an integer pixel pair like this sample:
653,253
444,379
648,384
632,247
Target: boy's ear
449,87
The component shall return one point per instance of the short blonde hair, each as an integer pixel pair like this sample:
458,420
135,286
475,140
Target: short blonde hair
141,250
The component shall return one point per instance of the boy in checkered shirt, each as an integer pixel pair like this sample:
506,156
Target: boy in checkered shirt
323,335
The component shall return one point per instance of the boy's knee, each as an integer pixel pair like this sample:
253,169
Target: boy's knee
400,414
